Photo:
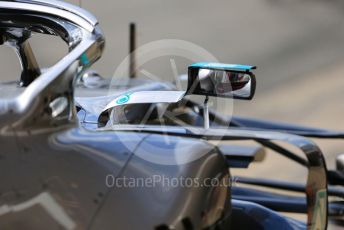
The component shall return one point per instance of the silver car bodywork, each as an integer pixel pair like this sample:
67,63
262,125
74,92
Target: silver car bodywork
54,171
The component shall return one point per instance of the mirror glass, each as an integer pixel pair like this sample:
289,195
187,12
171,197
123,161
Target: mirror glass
223,83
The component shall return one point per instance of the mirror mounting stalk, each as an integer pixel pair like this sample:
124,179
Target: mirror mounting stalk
206,112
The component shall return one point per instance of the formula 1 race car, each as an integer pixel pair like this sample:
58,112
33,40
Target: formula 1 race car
145,155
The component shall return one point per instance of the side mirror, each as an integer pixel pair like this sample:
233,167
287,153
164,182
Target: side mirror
221,80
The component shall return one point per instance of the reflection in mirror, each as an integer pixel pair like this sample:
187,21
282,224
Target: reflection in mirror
221,80
224,83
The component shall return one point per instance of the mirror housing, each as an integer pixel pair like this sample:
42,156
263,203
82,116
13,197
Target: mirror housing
221,80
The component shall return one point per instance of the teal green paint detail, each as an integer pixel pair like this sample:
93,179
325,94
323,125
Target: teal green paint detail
123,99
84,59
